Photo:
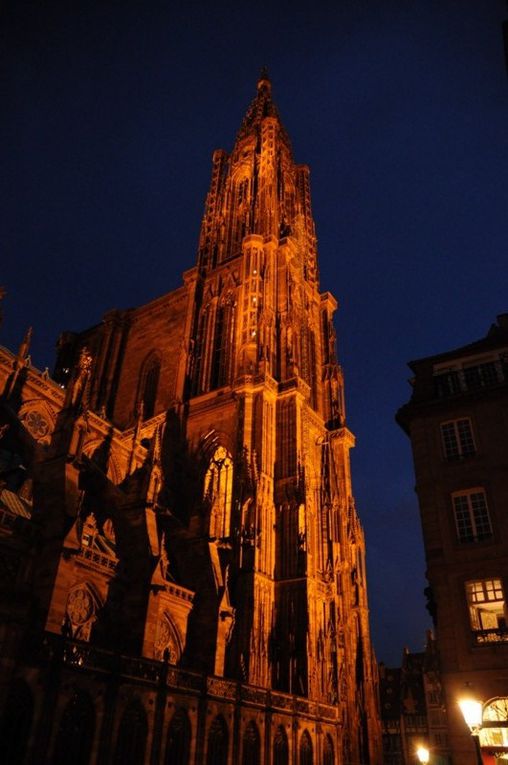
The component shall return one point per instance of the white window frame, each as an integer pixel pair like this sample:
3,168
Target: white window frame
468,514
454,441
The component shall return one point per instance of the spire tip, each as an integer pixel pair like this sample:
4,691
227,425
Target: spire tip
264,79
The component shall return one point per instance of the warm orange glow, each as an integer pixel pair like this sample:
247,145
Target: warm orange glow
423,754
472,712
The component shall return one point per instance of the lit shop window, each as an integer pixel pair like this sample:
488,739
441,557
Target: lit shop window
472,516
457,436
494,732
487,610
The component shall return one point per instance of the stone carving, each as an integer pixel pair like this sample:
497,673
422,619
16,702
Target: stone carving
166,647
81,612
37,425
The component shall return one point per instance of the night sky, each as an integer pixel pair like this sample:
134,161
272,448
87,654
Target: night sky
110,113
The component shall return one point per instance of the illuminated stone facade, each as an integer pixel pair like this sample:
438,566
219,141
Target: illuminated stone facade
183,524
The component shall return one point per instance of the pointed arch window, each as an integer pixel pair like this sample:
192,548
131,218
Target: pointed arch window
132,735
328,751
280,747
219,492
179,739
198,353
75,735
306,755
251,745
222,345
16,722
149,385
218,740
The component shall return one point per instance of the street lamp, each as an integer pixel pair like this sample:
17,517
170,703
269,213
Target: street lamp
423,754
472,711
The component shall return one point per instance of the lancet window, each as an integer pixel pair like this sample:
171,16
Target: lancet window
149,385
219,491
306,757
328,751
222,344
75,735
251,745
199,353
132,735
217,749
179,739
280,747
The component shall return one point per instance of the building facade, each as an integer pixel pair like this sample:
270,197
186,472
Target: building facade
457,420
412,706
186,567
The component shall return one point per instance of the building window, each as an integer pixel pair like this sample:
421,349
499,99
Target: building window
251,747
222,346
179,739
487,610
217,750
481,376
328,751
447,384
472,516
149,385
280,747
306,754
457,438
75,735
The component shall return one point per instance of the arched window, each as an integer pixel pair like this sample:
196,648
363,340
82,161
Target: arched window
75,734
328,751
198,354
251,745
217,748
16,722
280,747
218,492
132,735
306,749
179,739
222,345
149,384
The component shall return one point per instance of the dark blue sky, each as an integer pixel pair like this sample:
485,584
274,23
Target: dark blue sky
110,113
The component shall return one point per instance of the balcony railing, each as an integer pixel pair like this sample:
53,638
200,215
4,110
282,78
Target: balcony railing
488,637
81,656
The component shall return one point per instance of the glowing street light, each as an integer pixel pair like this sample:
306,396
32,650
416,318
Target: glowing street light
472,712
423,754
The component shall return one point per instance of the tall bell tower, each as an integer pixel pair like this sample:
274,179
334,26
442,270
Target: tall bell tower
263,385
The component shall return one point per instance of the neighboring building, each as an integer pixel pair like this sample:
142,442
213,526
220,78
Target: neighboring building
412,709
457,420
183,565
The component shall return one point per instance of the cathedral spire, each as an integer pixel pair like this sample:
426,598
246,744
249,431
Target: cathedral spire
262,106
264,80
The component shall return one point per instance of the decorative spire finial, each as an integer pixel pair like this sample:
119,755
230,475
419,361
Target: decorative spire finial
264,80
25,345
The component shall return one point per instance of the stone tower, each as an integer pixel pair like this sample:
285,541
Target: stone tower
207,451
263,375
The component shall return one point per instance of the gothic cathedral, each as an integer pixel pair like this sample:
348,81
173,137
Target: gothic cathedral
183,565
